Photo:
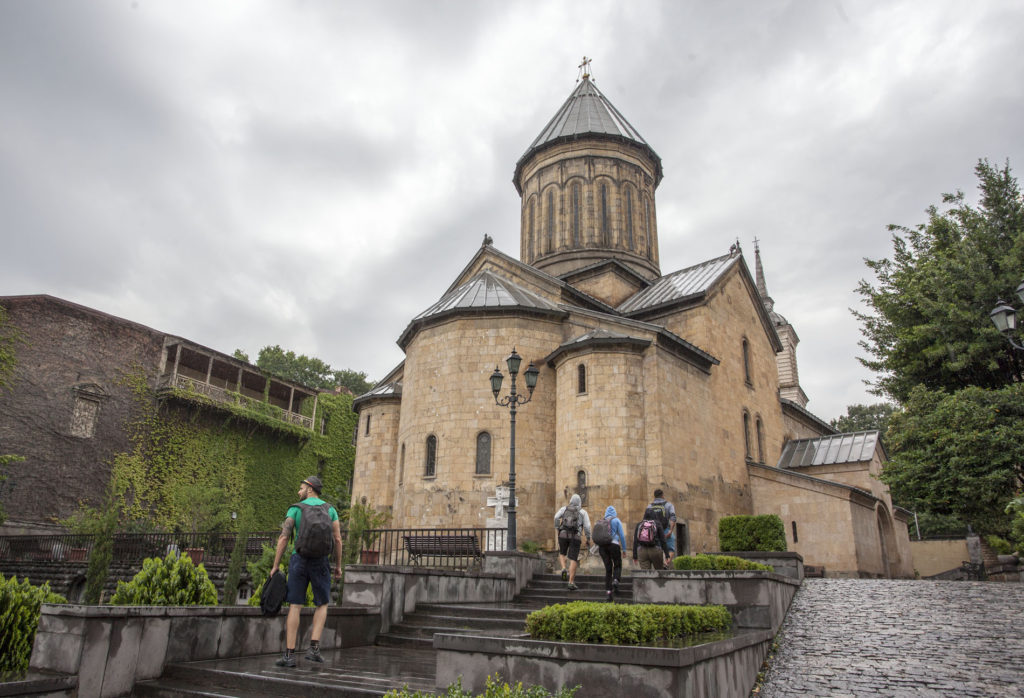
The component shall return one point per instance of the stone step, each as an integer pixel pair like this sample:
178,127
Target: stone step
508,610
455,623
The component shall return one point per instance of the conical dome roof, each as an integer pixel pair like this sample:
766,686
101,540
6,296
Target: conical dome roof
587,112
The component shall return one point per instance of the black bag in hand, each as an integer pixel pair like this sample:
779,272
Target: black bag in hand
275,589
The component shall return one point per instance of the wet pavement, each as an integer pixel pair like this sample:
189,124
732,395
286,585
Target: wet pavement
859,637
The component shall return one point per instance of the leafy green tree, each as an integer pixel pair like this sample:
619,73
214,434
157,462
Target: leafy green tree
928,309
355,381
240,355
308,370
958,457
864,418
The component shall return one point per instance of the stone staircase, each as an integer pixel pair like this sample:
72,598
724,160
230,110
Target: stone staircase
402,656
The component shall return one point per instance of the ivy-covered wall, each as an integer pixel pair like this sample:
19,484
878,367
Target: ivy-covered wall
193,462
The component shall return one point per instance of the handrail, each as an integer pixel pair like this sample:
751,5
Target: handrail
390,546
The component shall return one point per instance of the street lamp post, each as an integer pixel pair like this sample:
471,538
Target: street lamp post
1004,318
512,401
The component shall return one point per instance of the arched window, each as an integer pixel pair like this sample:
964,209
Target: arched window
760,439
367,432
430,462
606,232
401,466
629,219
535,242
746,362
647,229
576,215
483,453
795,539
746,435
551,221
581,379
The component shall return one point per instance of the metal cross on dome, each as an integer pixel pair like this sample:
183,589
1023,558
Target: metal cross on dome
584,69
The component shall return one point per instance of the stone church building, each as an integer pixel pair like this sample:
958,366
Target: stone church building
685,381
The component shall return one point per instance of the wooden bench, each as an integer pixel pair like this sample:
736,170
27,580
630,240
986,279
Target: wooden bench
442,545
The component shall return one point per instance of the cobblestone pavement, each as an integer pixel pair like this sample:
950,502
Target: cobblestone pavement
882,637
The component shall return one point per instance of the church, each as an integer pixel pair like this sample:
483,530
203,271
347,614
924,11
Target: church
685,381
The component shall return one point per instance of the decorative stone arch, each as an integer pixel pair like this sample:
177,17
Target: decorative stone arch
887,540
630,197
549,198
576,212
605,196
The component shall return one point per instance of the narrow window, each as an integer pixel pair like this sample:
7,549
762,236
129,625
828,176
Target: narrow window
581,379
534,241
647,228
605,228
483,453
367,432
551,221
760,440
629,219
323,425
746,362
746,435
401,466
430,467
576,215
83,417
795,539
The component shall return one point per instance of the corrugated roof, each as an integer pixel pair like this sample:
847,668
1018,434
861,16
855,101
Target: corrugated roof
392,389
680,284
826,450
487,290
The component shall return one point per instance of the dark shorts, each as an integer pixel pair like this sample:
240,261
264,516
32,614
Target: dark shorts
570,547
306,571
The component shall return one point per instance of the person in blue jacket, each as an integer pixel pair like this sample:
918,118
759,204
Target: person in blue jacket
611,553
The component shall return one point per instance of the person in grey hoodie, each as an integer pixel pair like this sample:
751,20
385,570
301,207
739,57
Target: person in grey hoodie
611,553
571,522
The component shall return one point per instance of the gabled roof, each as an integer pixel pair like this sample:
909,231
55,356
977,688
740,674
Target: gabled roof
587,112
853,447
691,282
486,291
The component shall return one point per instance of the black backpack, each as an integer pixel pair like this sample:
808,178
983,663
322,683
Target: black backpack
273,594
602,533
570,523
316,530
660,512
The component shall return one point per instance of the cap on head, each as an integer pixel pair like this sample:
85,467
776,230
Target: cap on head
658,493
314,482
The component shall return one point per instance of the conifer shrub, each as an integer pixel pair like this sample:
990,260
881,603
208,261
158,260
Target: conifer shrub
496,688
19,620
625,624
170,581
717,562
765,533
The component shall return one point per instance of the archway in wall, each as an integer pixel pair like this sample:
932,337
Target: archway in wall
887,540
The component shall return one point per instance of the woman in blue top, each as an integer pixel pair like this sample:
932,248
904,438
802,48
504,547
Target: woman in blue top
611,553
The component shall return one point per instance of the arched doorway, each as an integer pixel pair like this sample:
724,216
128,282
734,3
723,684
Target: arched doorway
887,541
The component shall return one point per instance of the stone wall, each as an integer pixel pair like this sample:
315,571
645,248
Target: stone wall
933,557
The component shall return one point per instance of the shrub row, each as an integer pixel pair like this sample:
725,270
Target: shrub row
621,624
19,620
496,688
764,533
717,562
171,581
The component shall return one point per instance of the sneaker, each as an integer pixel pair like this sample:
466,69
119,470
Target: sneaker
288,660
615,586
565,575
313,655
609,597
572,587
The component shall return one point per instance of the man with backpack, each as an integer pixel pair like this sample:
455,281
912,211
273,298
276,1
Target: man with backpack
611,541
571,523
317,532
666,516
649,542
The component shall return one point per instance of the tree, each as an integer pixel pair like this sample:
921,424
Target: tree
928,321
864,418
355,381
240,355
308,370
958,457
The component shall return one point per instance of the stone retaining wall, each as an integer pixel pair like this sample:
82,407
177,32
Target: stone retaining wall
110,648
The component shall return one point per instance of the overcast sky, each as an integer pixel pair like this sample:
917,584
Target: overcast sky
314,174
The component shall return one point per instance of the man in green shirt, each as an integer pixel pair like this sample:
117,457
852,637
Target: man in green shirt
309,565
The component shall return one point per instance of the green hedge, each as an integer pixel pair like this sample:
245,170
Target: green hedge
171,581
622,624
765,533
19,619
717,562
496,688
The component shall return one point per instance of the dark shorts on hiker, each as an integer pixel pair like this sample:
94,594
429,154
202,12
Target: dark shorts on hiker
305,571
570,547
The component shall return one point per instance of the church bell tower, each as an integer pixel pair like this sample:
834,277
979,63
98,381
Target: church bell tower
587,185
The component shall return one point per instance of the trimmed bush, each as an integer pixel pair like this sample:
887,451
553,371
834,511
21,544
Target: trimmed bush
170,581
622,624
765,533
496,688
19,620
717,562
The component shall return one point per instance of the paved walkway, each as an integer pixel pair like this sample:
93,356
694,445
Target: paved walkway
854,637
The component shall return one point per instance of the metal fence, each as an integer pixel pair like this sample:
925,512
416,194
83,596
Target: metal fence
459,548
429,547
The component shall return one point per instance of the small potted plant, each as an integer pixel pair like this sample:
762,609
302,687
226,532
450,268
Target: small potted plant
363,524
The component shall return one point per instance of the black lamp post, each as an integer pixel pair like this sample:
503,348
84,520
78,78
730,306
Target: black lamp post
1005,318
512,401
